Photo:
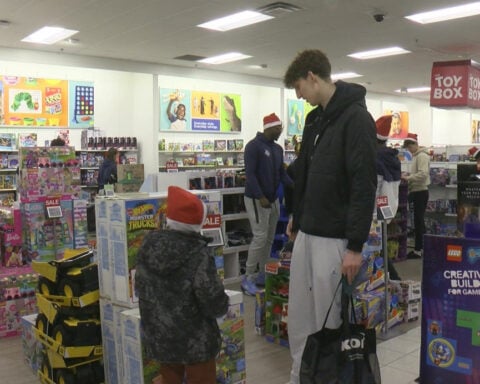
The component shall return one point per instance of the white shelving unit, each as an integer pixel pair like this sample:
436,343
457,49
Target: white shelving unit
233,217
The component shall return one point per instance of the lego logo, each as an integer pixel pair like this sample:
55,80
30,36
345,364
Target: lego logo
454,252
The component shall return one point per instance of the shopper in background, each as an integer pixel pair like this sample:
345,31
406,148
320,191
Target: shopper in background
389,172
264,171
58,142
334,196
180,295
107,174
418,182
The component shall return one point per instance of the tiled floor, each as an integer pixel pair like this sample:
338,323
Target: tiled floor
268,363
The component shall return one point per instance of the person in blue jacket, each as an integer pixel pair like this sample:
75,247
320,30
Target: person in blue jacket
107,174
264,170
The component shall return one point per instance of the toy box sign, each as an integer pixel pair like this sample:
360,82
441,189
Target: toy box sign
455,84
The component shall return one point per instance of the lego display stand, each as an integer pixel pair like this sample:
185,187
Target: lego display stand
384,213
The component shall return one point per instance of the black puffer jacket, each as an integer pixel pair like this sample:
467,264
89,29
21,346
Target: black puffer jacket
180,297
336,175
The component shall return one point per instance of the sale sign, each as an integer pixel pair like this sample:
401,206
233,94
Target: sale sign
455,84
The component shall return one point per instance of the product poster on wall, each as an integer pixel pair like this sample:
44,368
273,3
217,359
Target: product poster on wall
475,131
28,101
199,111
450,311
297,112
400,124
81,103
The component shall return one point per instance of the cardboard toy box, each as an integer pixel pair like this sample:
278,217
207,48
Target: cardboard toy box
121,226
230,361
32,348
129,177
276,303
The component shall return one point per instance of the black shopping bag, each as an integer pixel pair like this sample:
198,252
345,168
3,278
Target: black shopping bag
346,355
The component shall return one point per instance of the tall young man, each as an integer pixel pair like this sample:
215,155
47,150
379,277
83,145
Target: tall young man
335,186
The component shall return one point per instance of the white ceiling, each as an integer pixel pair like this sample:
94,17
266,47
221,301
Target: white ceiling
156,31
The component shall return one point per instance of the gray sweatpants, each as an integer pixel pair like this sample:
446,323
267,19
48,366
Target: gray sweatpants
314,275
263,223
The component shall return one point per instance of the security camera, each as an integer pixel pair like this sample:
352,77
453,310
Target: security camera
379,17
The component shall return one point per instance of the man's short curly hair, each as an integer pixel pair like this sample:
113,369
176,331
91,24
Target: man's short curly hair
312,60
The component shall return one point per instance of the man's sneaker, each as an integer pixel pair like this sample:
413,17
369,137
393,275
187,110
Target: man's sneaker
248,286
414,255
260,279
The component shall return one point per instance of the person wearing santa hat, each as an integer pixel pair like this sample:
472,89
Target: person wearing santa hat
418,182
389,172
180,295
264,171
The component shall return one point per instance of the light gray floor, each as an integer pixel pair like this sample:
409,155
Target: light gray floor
268,363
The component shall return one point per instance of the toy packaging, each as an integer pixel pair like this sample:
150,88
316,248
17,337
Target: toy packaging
276,303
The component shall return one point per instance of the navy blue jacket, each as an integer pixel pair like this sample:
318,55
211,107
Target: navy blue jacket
264,168
107,174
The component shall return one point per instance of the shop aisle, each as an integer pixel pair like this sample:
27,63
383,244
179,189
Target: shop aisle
267,363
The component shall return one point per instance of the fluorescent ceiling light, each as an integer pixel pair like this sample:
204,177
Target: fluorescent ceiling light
49,35
225,58
413,90
236,20
345,75
390,51
444,14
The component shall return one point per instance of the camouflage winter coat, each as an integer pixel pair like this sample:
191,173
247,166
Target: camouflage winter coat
180,297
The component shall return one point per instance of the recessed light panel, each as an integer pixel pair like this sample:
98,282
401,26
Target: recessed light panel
224,58
383,52
49,35
236,20
444,14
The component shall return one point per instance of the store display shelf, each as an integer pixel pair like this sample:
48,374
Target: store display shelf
213,166
231,191
237,248
8,150
8,190
235,216
8,170
194,152
451,214
104,149
89,186
89,167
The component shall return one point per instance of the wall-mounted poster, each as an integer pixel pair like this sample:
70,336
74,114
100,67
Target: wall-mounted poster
199,111
297,112
81,104
475,131
400,124
29,101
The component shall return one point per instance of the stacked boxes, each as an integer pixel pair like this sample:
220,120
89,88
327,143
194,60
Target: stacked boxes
409,294
32,348
121,224
230,361
276,303
17,299
68,322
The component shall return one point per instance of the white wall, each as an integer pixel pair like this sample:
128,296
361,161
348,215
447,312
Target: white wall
127,100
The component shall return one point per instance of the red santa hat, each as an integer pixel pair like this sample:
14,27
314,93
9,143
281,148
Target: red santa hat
383,124
185,211
411,138
270,121
473,152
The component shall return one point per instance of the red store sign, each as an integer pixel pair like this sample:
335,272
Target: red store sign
455,84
